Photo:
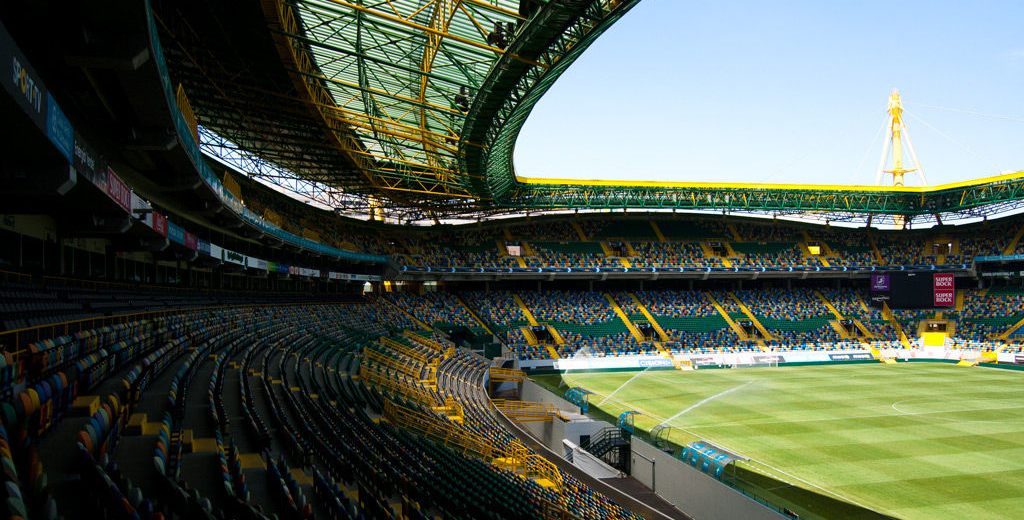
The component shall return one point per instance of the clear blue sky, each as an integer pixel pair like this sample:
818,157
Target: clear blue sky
791,91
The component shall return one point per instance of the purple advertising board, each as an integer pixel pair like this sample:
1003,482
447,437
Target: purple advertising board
879,283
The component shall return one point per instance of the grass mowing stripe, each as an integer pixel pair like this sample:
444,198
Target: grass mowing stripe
952,447
698,404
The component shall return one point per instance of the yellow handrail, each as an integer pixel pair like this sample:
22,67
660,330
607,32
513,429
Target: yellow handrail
405,389
405,350
537,467
452,409
426,342
526,411
441,430
412,370
506,374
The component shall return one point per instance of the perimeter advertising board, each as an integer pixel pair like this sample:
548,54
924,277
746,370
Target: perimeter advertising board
944,290
21,81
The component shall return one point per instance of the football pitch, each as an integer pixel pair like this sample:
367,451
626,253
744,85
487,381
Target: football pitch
911,440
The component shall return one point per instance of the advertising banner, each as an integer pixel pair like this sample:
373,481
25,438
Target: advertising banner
191,241
118,190
590,363
703,361
256,263
944,290
159,223
304,271
58,128
175,233
88,164
851,356
21,80
880,283
204,247
216,251
333,275
999,258
233,257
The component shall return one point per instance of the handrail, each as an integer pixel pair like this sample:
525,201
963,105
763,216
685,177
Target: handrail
442,431
388,361
526,411
374,376
428,342
506,374
5,274
452,408
404,350
537,467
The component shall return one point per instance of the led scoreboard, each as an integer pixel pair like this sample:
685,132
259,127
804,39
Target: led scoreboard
913,290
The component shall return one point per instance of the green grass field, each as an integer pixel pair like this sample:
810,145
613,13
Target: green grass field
912,440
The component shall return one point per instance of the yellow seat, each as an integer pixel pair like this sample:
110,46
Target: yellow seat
85,405
135,424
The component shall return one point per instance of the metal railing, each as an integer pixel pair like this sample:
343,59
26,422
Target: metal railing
442,431
506,374
426,342
405,350
396,387
415,371
526,411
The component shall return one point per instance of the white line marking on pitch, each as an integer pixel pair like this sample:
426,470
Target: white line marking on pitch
759,463
706,400
777,470
826,490
902,413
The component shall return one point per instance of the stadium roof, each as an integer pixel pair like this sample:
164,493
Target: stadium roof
416,105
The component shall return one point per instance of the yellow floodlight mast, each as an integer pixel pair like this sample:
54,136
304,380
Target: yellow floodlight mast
896,131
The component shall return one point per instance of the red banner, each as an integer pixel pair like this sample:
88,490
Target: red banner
118,190
160,223
191,241
944,290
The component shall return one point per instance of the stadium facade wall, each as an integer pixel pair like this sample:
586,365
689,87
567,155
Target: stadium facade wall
701,496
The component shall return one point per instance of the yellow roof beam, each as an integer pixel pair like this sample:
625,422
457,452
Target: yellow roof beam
774,186
430,30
